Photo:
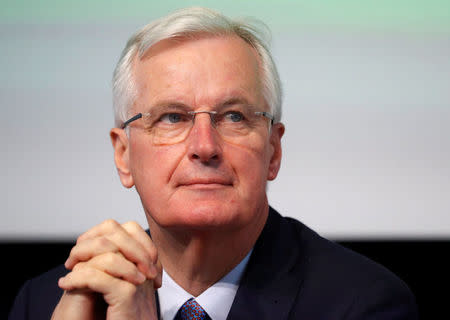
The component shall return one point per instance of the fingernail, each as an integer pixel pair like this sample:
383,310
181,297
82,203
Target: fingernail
67,264
153,271
141,277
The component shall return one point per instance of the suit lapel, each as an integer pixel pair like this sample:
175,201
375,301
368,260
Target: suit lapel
273,276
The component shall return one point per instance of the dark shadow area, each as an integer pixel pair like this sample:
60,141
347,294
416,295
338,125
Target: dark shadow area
421,264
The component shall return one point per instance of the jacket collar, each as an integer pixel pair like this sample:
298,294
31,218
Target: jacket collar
273,276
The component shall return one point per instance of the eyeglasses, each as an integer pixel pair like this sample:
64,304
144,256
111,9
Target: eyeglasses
170,125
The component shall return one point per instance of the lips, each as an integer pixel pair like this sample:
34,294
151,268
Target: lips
206,181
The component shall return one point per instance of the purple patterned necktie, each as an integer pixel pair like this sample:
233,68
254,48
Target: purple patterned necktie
191,310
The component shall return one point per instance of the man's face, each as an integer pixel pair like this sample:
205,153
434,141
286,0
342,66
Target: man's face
202,181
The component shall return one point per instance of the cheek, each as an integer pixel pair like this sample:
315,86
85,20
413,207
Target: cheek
151,169
251,165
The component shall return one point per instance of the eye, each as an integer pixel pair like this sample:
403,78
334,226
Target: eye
172,118
234,116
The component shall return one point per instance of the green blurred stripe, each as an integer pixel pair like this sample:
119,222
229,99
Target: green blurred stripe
413,15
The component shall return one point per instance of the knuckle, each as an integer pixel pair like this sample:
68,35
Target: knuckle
133,225
102,242
82,273
135,271
110,223
110,258
80,238
79,267
159,267
118,238
153,255
128,289
88,273
73,252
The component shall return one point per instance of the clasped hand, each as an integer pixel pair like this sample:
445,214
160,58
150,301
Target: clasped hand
114,273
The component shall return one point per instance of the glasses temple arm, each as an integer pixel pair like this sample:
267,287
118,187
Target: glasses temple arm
138,116
267,115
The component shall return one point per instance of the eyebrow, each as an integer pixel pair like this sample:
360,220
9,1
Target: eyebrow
234,101
172,105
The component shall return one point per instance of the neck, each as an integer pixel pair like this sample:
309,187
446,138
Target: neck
198,259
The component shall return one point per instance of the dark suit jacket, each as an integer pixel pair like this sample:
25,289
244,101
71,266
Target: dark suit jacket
293,273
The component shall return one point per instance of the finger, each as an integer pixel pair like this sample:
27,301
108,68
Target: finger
115,265
80,304
106,227
94,280
144,239
125,243
136,231
85,250
133,251
157,282
125,300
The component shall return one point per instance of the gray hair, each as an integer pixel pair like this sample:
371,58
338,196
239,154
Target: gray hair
190,22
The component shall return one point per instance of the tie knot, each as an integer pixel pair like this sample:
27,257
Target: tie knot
191,310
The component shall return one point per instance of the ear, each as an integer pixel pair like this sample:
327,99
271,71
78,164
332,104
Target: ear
121,146
275,140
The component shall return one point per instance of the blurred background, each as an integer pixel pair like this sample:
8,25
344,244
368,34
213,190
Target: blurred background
366,108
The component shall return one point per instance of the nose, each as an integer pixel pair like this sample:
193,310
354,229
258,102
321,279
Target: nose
204,142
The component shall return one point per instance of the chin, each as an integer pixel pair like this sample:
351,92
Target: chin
204,215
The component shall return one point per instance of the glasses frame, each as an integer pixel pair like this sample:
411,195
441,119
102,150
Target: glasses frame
194,113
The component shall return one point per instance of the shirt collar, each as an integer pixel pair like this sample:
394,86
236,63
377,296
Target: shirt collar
216,300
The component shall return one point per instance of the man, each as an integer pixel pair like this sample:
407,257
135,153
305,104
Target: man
198,134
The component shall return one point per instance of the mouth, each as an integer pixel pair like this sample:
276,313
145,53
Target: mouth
206,183
204,187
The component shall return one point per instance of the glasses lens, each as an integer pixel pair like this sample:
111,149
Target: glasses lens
234,124
167,126
238,122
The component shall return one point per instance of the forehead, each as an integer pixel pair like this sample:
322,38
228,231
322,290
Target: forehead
201,71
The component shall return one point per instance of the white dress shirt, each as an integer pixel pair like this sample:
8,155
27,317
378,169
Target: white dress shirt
216,300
